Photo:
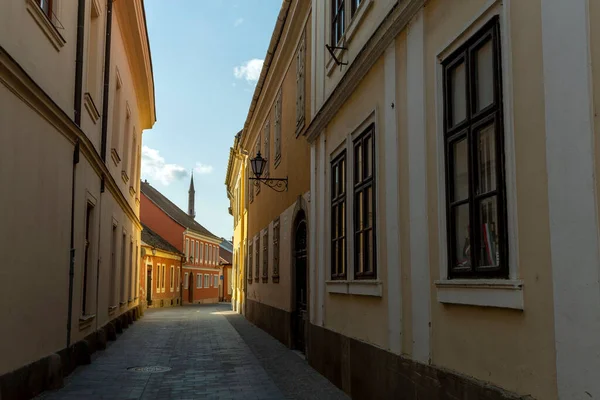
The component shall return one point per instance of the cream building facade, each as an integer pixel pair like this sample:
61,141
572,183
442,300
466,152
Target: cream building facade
74,107
454,164
270,270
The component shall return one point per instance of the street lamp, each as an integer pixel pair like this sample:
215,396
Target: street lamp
258,164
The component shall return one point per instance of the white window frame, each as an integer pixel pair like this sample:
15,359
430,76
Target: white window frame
172,276
502,293
197,251
198,281
186,282
164,272
216,281
207,280
157,272
365,287
192,251
187,249
177,278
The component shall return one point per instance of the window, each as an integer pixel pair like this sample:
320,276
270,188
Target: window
257,261
206,280
338,21
265,272
187,249
87,256
198,281
123,266
474,159
133,161
365,258
206,252
126,140
177,278
267,155
157,275
116,116
164,277
300,85
172,281
276,251
93,61
354,4
186,283
197,251
216,282
192,252
131,269
137,273
338,217
47,7
257,150
113,267
249,268
201,252
277,132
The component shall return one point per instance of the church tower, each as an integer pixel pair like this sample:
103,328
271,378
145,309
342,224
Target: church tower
191,196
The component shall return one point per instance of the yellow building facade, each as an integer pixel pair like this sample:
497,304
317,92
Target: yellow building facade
452,246
272,288
73,110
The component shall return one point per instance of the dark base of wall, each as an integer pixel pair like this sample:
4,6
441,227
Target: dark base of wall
274,321
48,372
366,372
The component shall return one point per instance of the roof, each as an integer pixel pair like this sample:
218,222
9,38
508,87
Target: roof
227,245
153,239
225,255
174,212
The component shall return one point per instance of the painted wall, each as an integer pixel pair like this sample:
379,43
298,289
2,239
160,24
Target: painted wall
202,294
162,295
37,147
154,218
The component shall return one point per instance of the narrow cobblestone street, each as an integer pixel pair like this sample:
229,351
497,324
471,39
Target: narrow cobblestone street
212,353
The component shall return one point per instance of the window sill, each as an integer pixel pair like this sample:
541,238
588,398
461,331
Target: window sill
114,154
131,191
359,16
481,292
359,288
45,25
124,176
111,309
91,108
86,320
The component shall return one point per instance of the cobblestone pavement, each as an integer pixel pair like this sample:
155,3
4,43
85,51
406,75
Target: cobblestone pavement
213,354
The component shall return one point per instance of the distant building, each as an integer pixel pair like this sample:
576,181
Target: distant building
160,278
225,261
200,270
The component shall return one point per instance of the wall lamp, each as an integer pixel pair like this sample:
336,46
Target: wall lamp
258,166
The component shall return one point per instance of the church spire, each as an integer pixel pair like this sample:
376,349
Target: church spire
191,196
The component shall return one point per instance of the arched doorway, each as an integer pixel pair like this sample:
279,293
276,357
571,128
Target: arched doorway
191,288
300,287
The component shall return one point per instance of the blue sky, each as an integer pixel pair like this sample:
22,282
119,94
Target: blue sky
206,56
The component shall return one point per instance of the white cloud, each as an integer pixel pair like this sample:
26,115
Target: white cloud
155,167
203,169
238,22
250,70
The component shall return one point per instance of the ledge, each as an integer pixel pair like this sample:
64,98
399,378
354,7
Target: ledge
124,176
45,25
131,191
359,16
114,154
86,320
111,309
122,303
499,293
359,288
90,107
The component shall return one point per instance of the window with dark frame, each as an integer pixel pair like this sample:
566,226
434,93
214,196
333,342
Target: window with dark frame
249,269
257,261
267,148
275,277
265,271
338,217
474,158
338,21
354,4
47,7
365,257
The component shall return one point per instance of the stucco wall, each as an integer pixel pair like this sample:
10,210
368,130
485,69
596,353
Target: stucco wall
158,221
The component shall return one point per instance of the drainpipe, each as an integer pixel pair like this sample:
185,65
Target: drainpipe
72,245
79,62
109,6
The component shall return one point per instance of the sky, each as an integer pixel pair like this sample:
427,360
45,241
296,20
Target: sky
206,56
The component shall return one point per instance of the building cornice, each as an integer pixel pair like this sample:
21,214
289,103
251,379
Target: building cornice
391,26
132,24
14,77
